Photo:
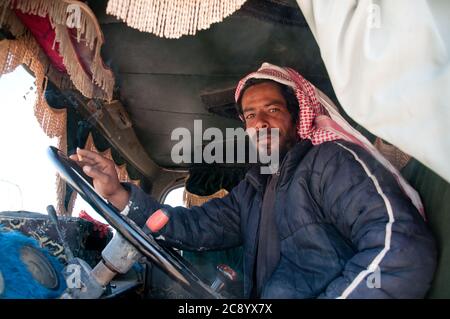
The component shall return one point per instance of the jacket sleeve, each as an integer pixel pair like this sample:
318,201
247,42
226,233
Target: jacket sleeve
214,225
395,254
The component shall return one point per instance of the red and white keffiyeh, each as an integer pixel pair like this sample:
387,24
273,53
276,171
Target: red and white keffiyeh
320,121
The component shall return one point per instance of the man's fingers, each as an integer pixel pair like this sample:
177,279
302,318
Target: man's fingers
85,161
85,154
96,174
95,163
82,159
90,162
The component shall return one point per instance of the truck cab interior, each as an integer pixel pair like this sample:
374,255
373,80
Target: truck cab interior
145,87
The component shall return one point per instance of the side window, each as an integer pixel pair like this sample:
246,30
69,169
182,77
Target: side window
175,197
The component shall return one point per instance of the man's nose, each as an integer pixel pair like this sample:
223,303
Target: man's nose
261,121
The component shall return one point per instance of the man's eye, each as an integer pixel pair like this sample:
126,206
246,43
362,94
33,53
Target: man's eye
273,110
249,116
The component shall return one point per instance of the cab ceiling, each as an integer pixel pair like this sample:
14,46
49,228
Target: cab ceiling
161,82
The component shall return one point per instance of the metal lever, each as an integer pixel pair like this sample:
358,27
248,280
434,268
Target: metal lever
54,218
225,274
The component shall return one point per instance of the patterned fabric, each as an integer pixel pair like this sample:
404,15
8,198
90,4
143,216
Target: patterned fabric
81,235
320,121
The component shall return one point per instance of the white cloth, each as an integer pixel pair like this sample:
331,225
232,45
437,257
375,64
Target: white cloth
388,61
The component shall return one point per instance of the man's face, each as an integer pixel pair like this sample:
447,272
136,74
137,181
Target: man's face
264,106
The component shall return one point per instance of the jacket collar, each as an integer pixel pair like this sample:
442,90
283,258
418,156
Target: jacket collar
287,167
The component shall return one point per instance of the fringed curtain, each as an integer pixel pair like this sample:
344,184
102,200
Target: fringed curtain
207,182
26,50
191,199
172,18
92,78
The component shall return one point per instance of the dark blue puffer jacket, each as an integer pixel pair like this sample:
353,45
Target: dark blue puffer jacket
346,229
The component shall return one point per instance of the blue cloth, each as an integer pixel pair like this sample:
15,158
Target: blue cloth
18,281
345,227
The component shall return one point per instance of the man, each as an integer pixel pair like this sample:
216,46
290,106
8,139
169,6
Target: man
332,222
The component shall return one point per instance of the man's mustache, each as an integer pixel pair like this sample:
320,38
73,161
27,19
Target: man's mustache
262,134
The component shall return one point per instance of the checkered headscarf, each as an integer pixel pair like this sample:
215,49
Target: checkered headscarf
319,119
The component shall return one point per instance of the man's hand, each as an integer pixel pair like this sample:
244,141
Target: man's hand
104,175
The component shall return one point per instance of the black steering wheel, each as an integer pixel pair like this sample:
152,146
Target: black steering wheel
165,258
